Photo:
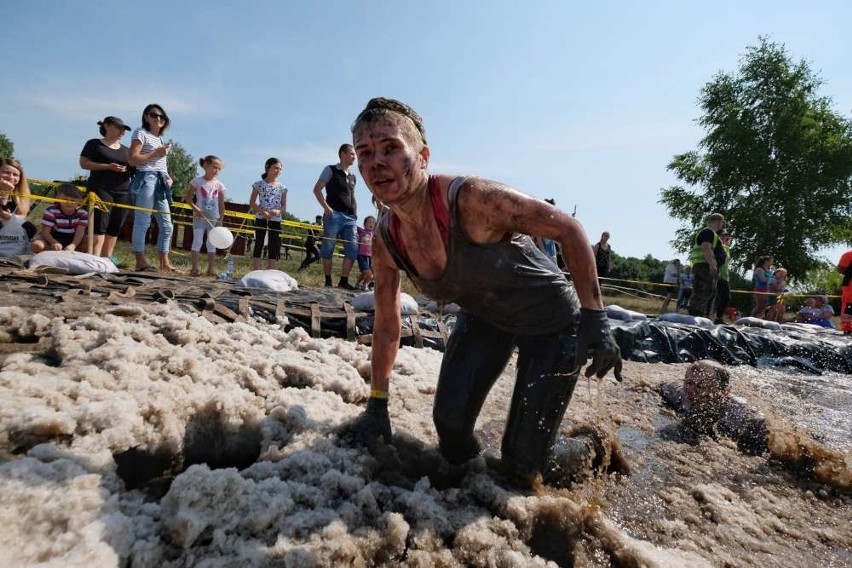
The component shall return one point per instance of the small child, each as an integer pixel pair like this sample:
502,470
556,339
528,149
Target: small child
365,253
685,291
63,225
777,305
206,196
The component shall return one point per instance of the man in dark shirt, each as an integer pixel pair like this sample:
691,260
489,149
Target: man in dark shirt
705,402
340,219
312,253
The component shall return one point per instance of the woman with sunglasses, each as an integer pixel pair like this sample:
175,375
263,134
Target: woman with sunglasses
151,187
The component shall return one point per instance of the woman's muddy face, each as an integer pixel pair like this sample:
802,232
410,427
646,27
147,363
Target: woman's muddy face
390,166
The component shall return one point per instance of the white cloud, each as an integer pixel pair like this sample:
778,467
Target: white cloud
72,101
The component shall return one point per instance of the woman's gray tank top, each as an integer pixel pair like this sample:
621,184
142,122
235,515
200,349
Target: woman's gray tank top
510,284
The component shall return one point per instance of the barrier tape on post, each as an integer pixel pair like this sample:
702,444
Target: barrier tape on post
92,201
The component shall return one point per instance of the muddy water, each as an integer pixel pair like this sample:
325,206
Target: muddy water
704,496
260,409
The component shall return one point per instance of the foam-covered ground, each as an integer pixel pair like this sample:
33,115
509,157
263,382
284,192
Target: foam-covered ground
148,436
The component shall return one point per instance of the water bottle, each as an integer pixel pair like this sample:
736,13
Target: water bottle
229,268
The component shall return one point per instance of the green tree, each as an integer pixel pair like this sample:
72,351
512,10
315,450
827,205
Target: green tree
776,160
7,148
182,168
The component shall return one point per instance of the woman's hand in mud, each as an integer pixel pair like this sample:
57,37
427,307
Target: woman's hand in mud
373,424
594,337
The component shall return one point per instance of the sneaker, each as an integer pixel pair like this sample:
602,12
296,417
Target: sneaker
343,284
360,286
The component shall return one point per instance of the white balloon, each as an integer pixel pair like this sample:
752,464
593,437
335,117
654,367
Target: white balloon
221,237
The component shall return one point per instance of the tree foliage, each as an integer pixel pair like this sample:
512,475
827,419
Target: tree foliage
182,168
775,160
7,148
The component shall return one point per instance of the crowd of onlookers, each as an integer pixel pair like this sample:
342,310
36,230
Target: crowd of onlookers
770,291
136,179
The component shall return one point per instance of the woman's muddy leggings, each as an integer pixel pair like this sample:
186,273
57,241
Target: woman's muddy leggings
476,354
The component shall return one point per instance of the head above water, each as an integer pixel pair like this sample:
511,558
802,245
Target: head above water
706,384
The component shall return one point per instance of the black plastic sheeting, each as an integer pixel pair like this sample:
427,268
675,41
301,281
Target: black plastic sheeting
653,341
648,341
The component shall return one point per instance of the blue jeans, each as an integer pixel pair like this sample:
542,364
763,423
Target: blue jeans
149,190
339,226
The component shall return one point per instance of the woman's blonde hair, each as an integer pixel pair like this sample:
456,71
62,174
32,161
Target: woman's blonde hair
22,190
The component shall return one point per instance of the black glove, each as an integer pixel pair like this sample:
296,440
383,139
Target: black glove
593,335
373,424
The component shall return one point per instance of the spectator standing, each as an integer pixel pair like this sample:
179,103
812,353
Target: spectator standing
706,257
340,214
671,277
777,304
723,284
365,252
151,186
311,251
108,161
603,255
844,267
761,279
685,290
206,196
268,201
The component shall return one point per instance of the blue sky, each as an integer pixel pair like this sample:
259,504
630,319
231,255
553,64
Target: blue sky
582,102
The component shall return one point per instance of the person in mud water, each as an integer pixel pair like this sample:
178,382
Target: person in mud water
467,240
704,401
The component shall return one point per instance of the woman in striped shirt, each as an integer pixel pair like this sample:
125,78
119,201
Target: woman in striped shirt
151,187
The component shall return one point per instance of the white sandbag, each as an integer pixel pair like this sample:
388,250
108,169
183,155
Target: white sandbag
806,327
366,303
73,261
274,280
450,308
623,314
686,319
757,322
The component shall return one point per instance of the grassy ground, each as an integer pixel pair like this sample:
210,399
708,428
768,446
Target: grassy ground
312,276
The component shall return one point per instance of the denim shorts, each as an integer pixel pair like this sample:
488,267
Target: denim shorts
339,226
365,262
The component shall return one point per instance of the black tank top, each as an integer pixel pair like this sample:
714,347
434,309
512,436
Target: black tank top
511,284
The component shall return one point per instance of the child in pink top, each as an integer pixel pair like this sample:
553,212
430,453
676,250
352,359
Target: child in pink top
365,253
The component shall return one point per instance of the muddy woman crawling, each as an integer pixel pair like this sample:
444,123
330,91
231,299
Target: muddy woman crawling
467,240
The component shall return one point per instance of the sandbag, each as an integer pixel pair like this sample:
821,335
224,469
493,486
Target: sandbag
366,303
73,262
686,319
274,280
435,307
623,314
757,322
